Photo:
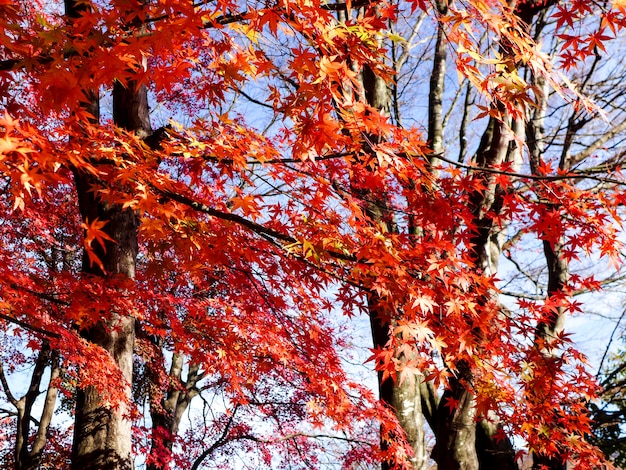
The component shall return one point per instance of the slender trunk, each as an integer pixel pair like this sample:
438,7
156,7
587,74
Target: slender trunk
556,263
102,434
453,428
437,83
494,453
25,458
460,445
168,402
41,437
403,398
548,329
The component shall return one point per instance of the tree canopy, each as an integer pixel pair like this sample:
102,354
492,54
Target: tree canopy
198,197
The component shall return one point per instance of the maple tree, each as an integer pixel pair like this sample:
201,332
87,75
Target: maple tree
150,260
452,417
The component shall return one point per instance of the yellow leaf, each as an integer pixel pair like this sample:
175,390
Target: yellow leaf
396,37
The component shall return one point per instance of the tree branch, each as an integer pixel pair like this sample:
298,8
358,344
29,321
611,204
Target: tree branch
5,386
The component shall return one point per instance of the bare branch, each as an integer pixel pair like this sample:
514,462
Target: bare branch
5,386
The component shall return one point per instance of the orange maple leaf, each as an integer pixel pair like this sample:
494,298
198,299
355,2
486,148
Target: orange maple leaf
93,231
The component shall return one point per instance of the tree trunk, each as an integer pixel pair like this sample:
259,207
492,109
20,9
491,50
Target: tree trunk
541,462
549,328
25,458
41,437
493,453
168,402
557,266
436,90
404,398
456,429
458,447
102,434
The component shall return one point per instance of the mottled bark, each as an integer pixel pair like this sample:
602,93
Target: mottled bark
494,453
102,433
454,428
403,397
460,444
456,431
557,266
102,436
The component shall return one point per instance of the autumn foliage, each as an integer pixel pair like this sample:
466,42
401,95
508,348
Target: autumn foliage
263,227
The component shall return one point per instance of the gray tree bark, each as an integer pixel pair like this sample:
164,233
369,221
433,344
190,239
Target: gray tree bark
28,454
404,396
168,402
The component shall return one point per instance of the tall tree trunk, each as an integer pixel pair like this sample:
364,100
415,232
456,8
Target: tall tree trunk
102,434
500,453
558,274
556,263
454,428
436,90
548,329
402,396
458,447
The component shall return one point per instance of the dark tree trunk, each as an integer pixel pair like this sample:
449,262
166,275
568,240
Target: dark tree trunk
102,438
492,453
456,428
541,462
102,434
